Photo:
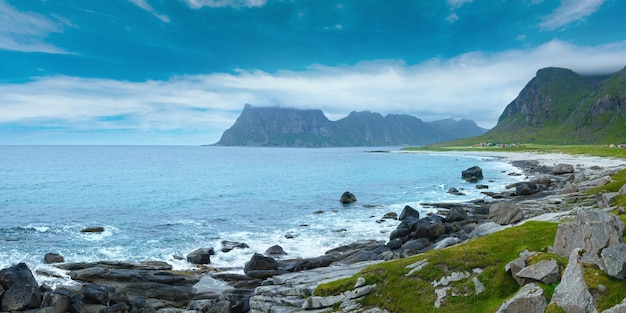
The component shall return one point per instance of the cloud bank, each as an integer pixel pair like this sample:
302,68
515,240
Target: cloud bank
569,11
473,85
26,32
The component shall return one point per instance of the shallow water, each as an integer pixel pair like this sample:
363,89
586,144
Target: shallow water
157,202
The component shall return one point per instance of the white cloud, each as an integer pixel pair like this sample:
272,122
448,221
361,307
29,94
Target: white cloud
455,5
225,3
569,11
26,32
144,5
472,85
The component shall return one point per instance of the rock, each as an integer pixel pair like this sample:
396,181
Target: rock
456,192
472,174
481,186
607,199
485,229
515,267
97,229
390,216
456,214
529,299
261,266
620,308
347,198
614,259
591,230
523,189
201,256
415,246
59,302
562,169
53,258
228,246
408,212
572,293
505,212
546,271
22,291
430,227
478,286
275,250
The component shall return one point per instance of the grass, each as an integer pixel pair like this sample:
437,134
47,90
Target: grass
399,293
591,150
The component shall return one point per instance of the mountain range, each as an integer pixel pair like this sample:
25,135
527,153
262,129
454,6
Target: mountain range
287,127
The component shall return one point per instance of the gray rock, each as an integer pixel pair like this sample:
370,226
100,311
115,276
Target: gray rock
591,230
529,299
228,246
275,250
562,169
546,271
485,229
478,286
505,212
608,199
53,258
514,267
572,294
201,256
614,259
456,214
261,266
347,198
409,212
472,174
430,227
22,291
620,308
454,191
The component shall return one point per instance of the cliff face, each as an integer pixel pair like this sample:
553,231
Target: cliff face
559,106
282,127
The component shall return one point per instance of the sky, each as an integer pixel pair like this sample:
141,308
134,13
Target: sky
179,72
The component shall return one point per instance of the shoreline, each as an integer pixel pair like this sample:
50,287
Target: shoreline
211,283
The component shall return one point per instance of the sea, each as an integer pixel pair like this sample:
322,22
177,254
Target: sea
159,203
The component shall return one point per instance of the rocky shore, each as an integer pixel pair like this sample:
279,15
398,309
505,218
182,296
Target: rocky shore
553,189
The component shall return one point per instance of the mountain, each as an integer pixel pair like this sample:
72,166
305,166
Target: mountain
285,127
460,129
559,106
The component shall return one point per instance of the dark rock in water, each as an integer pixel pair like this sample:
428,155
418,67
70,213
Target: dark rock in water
261,266
98,229
21,289
390,216
456,214
275,250
53,258
409,212
230,245
201,256
481,186
456,192
347,198
472,174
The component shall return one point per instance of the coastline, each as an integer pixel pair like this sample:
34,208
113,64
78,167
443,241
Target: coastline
208,283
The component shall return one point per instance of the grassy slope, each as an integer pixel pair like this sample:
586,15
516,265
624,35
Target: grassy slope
398,293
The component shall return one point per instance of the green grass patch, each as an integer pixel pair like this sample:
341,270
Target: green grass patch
399,293
592,150
619,179
607,290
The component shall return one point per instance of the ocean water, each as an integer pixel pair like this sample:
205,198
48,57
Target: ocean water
159,202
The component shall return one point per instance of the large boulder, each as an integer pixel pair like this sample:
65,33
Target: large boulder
529,299
614,259
546,271
456,214
21,291
472,174
572,294
53,258
347,198
201,256
505,212
261,266
430,227
409,213
562,169
591,230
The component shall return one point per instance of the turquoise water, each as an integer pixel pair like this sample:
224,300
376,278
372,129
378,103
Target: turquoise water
157,202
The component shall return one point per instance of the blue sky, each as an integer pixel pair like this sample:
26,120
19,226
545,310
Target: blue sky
180,71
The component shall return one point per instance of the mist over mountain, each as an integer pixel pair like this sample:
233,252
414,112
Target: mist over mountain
286,127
